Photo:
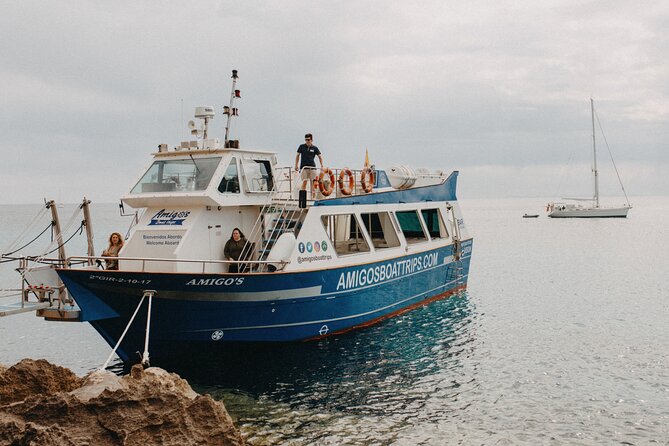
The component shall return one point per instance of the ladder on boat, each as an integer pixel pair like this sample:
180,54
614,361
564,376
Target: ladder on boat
457,270
280,215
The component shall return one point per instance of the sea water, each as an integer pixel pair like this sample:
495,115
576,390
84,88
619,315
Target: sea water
561,338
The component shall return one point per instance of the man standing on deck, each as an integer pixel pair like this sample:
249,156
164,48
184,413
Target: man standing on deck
306,155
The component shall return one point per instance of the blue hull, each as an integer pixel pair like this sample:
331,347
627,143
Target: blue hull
263,307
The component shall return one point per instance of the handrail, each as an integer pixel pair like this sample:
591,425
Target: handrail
357,187
281,205
158,259
280,202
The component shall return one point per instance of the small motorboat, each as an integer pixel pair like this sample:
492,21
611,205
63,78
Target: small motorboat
530,215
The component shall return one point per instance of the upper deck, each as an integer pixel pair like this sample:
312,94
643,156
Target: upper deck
196,193
246,177
209,177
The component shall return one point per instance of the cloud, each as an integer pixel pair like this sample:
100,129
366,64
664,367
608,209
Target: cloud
556,182
90,87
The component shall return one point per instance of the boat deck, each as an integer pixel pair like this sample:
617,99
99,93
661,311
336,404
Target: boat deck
22,307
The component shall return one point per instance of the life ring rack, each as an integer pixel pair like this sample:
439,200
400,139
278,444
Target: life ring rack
367,186
326,190
346,173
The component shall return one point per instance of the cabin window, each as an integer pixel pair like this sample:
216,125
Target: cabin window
183,175
258,175
434,223
380,228
411,226
230,181
345,233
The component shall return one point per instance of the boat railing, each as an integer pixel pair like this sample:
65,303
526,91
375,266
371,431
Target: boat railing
243,265
281,212
290,182
41,289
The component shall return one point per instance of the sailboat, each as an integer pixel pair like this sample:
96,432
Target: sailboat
591,208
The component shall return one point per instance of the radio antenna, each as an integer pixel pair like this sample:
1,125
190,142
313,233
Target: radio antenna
230,110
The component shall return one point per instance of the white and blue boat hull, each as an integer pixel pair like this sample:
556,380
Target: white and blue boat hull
260,307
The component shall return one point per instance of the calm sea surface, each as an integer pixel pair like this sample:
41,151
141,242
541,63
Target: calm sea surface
561,338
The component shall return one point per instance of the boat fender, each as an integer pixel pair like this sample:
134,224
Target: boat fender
367,186
346,172
281,251
326,190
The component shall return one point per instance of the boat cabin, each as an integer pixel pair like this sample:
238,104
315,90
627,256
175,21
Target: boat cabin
192,198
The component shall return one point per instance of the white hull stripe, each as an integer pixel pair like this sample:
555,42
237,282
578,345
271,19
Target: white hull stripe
287,294
252,296
297,324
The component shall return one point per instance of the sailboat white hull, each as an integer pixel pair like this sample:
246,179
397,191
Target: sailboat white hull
585,212
569,210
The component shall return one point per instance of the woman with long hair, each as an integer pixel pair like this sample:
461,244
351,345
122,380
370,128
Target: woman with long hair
115,245
234,248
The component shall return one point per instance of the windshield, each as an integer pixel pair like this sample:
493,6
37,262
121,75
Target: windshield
184,175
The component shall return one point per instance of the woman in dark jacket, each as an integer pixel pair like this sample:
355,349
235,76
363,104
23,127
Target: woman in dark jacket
233,249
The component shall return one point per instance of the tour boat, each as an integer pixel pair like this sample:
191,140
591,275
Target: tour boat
367,245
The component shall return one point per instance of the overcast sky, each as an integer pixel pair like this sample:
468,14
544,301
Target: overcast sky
498,90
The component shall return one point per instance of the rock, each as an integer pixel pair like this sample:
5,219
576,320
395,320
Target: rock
35,377
96,382
51,406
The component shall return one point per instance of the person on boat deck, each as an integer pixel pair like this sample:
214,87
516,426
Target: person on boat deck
306,155
234,248
115,245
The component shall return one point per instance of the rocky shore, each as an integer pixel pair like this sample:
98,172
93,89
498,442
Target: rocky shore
44,404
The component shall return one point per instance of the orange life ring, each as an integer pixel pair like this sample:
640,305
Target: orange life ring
346,172
367,187
326,191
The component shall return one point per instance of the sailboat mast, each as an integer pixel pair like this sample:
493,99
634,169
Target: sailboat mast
594,153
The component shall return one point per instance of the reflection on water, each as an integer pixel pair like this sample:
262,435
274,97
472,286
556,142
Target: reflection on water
363,386
561,339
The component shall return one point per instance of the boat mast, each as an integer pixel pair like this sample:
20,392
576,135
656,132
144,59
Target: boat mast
59,235
230,110
89,230
594,153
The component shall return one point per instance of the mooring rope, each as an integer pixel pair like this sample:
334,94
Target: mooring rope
28,228
145,355
31,241
80,230
104,366
4,258
11,247
39,258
